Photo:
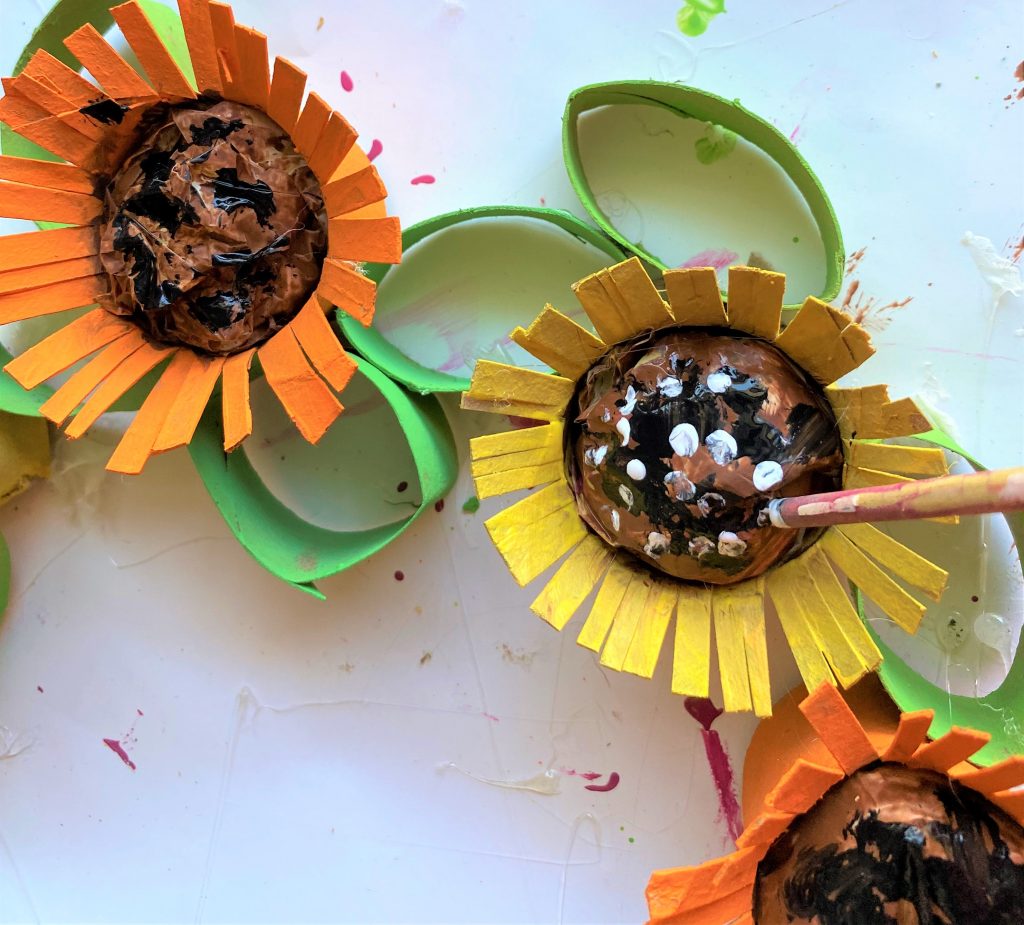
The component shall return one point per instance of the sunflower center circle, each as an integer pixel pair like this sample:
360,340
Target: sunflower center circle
214,229
893,843
681,437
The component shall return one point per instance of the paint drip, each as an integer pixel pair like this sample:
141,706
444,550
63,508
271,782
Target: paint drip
705,712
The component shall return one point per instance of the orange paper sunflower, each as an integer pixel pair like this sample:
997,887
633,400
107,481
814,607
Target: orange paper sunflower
666,433
212,222
855,818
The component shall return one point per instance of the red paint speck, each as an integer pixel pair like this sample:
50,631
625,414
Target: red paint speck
439,506
375,150
346,82
422,178
116,748
39,688
491,717
543,201
399,575
613,782
402,486
137,710
586,775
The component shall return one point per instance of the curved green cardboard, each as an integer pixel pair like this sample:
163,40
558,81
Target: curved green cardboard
1001,712
690,102
64,18
288,546
373,345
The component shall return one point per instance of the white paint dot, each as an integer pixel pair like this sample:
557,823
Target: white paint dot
606,415
729,544
623,428
636,470
719,382
767,475
626,495
670,387
679,486
631,397
595,455
615,521
657,543
684,439
722,446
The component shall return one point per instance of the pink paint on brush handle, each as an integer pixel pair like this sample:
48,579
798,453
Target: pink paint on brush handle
977,493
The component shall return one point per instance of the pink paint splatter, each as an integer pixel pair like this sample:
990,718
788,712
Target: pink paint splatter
491,717
422,178
586,775
717,258
613,782
376,148
118,750
705,712
39,688
346,82
795,134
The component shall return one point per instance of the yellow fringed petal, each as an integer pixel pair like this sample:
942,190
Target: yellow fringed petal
602,614
642,657
570,586
824,341
695,298
570,350
691,656
897,558
755,301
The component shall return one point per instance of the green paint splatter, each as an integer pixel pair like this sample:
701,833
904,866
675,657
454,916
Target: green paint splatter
631,839
796,240
695,16
716,143
471,506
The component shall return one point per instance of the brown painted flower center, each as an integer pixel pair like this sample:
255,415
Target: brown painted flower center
214,229
893,844
680,439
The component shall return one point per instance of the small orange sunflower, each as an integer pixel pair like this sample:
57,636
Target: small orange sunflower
856,818
667,433
213,223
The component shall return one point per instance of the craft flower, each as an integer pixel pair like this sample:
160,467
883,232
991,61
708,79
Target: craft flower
856,817
213,221
667,433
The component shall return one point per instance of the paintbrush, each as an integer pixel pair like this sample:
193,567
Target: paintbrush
977,493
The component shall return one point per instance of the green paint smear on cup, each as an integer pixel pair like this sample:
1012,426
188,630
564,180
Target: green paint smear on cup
471,506
716,143
695,16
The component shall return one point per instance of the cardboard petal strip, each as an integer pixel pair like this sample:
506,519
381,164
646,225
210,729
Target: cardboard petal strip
311,124
65,347
346,194
237,411
755,301
533,394
838,728
160,67
645,648
795,615
252,85
34,277
1002,776
46,174
627,618
183,416
620,303
673,891
71,394
888,457
48,131
897,558
572,584
56,297
1011,801
516,441
68,83
691,659
136,445
901,418
955,746
286,91
117,77
304,395
729,607
825,341
868,414
377,240
910,733
222,21
550,451
765,828
802,786
501,483
51,102
350,291
330,149
123,377
606,604
48,205
695,298
195,20
756,644
37,248
535,532
570,350
903,608
321,344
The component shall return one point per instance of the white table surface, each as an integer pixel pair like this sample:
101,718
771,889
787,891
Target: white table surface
364,759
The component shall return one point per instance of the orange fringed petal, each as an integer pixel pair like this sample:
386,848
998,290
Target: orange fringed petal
910,733
183,417
252,84
51,175
955,746
117,77
350,291
160,67
286,91
37,248
375,240
195,20
838,728
48,300
321,344
237,411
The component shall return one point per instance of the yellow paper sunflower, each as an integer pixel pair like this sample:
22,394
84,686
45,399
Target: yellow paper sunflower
213,224
665,436
853,816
